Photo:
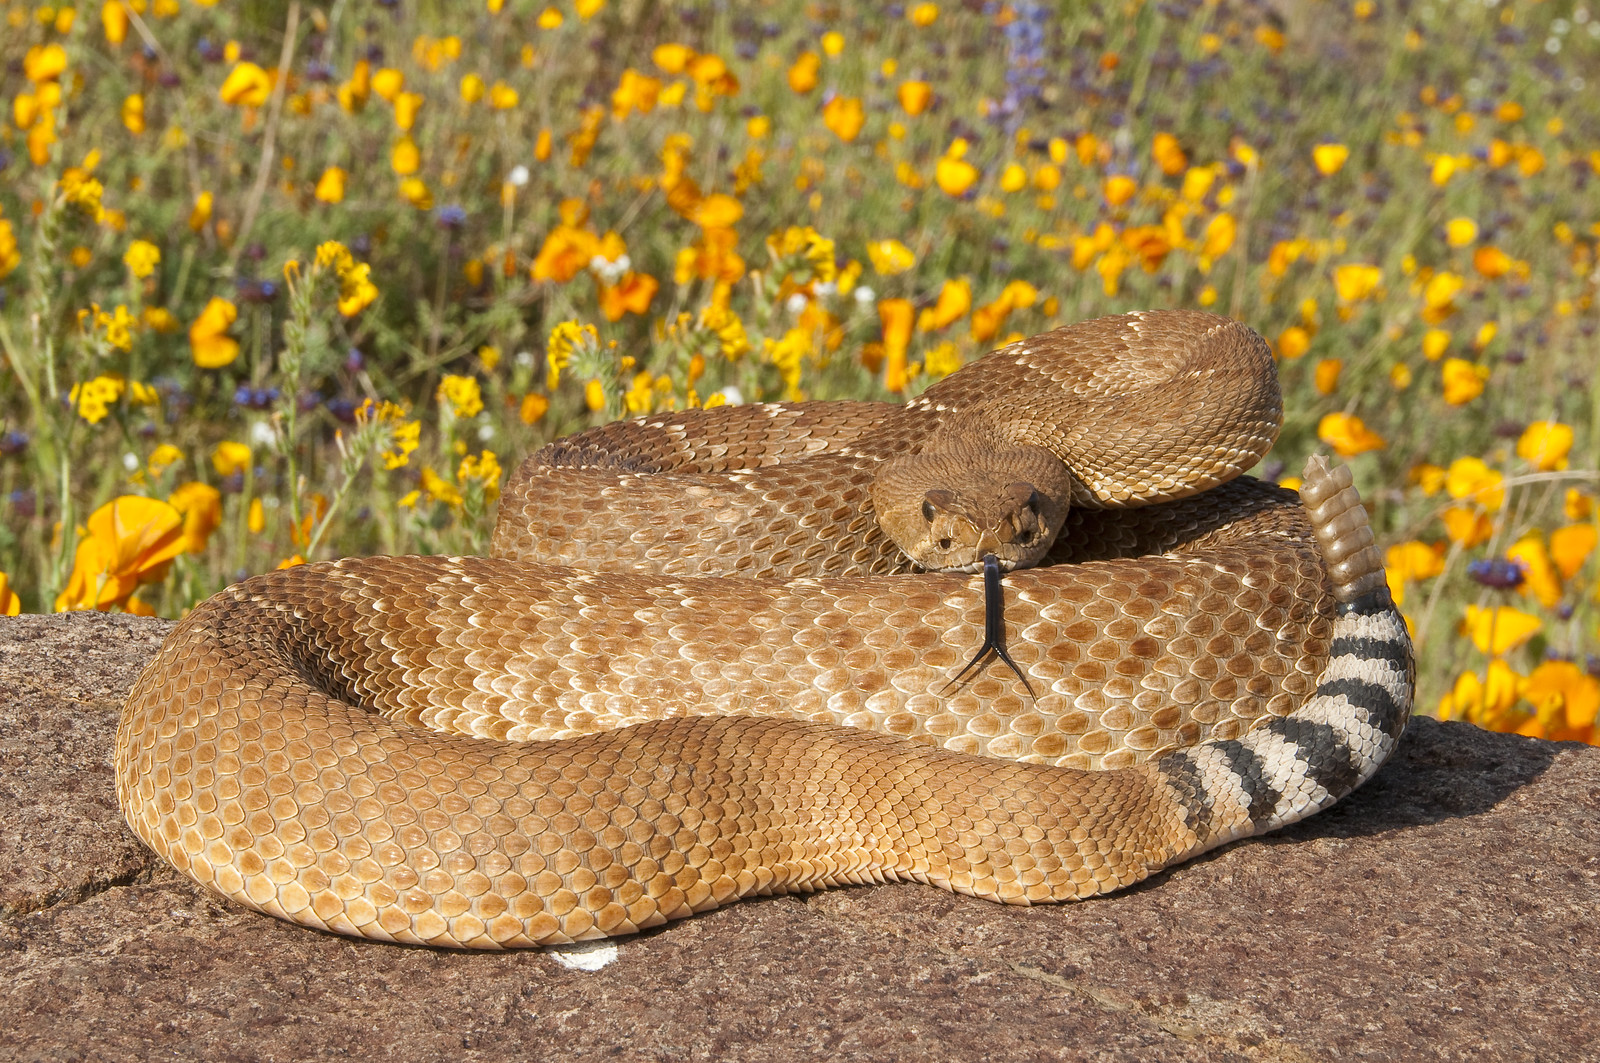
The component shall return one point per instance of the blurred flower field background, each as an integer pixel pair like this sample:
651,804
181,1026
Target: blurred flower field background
287,281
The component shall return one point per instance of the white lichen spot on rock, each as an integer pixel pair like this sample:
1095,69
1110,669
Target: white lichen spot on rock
584,955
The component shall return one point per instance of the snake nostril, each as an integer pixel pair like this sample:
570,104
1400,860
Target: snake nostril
944,544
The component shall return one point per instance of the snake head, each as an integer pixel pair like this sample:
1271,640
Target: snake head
949,506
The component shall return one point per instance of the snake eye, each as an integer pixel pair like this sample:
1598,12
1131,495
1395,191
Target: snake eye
1025,495
927,511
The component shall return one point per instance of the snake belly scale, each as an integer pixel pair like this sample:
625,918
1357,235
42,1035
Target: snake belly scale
682,698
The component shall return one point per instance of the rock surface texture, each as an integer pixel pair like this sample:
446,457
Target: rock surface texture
1448,910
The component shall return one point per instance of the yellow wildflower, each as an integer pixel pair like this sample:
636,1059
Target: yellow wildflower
502,97
44,62
1348,435
953,173
1356,281
406,106
141,258
440,489
388,82
1500,628
404,158
1483,702
83,192
485,468
1459,232
955,299
1409,562
565,338
533,407
914,96
803,74
1326,376
1463,380
94,399
1570,547
895,315
1293,342
1561,687
1435,343
208,336
1471,479
330,186
201,507
201,212
1118,189
1429,477
247,85
1545,445
890,257
1329,158
462,393
672,58
731,337
356,290
1538,572
845,116
229,457
1465,526
130,540
1491,262
163,458
133,113
1217,239
567,251
942,360
1438,296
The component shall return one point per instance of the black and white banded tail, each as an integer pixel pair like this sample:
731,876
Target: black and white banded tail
1301,763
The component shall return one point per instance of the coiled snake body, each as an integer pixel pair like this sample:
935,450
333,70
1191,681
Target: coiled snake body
651,702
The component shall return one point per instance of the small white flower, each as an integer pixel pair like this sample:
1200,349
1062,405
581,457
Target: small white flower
827,290
523,359
731,395
518,175
485,433
795,303
608,271
864,295
262,435
130,461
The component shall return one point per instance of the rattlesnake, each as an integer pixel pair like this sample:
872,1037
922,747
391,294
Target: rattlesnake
533,748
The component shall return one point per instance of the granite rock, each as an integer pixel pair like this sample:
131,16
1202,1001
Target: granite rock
1448,910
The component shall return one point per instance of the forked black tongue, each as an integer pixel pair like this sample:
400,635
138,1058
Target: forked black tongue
994,627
